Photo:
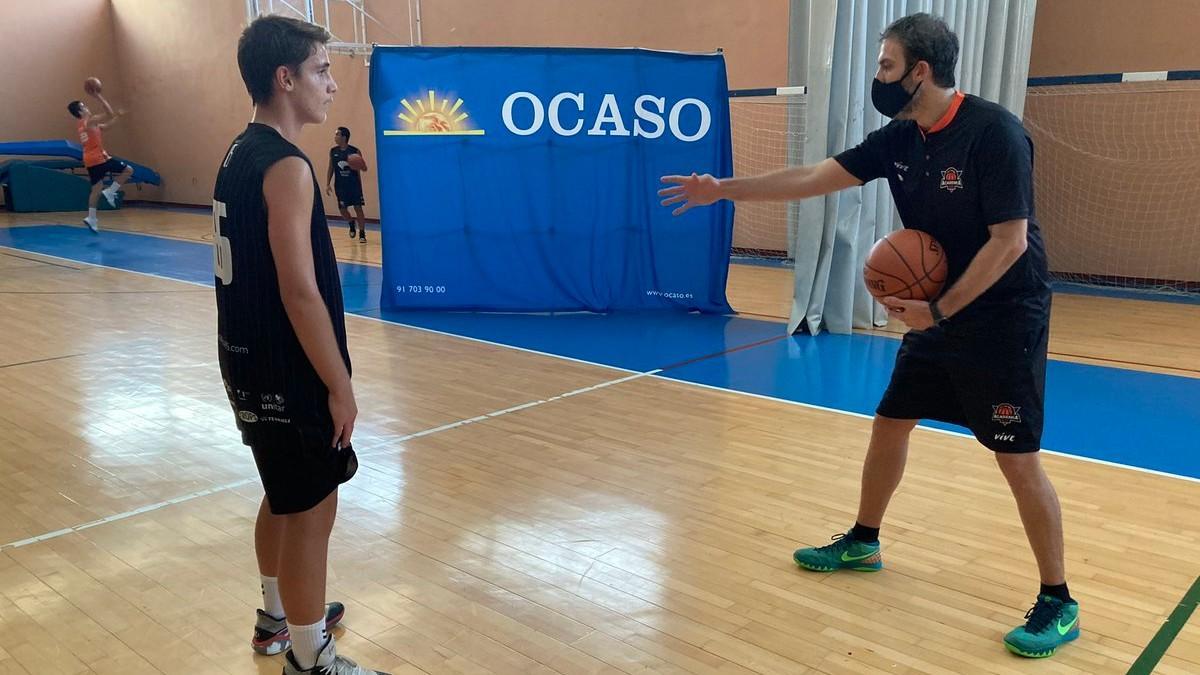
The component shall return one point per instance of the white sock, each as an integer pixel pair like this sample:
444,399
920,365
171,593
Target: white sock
114,188
92,213
270,591
307,642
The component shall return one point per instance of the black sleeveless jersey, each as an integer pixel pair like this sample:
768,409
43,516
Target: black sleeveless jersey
268,377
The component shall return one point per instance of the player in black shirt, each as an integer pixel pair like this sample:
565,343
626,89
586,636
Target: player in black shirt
282,337
961,169
347,181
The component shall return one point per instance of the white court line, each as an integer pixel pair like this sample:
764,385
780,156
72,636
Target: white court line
947,432
420,328
127,514
389,440
498,413
801,404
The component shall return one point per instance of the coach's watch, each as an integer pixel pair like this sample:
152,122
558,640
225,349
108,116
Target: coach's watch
938,317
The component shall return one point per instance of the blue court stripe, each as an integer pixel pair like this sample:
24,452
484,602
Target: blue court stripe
1114,415
1126,417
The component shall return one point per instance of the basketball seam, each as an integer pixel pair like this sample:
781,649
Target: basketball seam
882,273
921,234
921,282
902,259
929,272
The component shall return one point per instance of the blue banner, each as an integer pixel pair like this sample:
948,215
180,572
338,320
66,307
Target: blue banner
514,179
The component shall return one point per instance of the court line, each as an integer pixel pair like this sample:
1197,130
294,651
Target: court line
1084,358
947,432
725,352
1065,357
737,392
95,292
44,262
391,440
45,360
1157,647
383,440
127,514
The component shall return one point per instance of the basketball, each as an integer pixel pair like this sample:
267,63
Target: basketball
357,162
906,264
92,85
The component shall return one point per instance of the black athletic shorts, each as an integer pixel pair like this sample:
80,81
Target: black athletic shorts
99,171
348,197
298,467
990,379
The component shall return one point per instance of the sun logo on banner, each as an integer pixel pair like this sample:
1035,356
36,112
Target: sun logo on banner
430,115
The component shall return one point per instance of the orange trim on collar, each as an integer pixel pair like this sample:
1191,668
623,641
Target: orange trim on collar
951,112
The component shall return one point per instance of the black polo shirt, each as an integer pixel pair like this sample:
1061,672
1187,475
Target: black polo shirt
973,169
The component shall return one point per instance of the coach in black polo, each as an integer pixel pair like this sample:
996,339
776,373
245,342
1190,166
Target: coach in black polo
961,169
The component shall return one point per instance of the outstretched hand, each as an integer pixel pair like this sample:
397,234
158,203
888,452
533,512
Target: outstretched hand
692,190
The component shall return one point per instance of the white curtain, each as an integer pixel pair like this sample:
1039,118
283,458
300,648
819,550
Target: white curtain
841,44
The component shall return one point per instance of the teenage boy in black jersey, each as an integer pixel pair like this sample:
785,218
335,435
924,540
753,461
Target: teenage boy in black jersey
961,169
282,337
345,181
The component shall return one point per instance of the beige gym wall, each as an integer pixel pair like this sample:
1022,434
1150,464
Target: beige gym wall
178,58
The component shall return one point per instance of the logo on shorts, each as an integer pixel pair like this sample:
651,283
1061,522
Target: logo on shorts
1006,413
247,416
952,179
1008,438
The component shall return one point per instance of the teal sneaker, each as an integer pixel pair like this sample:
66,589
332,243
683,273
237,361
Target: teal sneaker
1050,623
845,553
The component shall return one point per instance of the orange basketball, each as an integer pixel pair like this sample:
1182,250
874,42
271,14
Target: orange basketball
92,85
357,162
906,264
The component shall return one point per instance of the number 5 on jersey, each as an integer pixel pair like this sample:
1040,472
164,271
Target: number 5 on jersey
222,256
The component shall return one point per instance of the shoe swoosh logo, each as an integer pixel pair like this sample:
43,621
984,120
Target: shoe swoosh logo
1063,630
852,558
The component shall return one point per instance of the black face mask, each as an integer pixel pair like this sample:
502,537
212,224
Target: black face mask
889,98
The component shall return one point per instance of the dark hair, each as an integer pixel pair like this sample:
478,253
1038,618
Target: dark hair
926,38
271,41
344,132
75,108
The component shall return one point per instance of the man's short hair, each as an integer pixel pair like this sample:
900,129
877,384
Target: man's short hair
926,38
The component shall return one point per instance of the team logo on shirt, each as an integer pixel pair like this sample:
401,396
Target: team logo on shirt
273,402
952,179
1006,413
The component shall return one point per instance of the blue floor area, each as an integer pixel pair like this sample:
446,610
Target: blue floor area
1112,414
633,341
1128,417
